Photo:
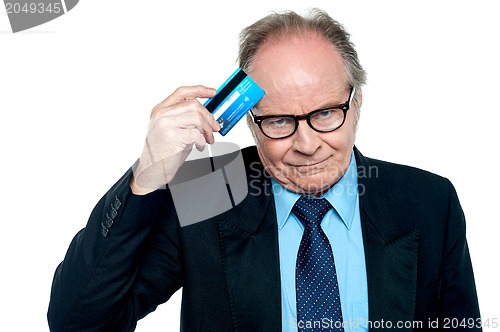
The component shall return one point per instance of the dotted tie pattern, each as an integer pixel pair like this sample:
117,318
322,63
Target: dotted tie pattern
318,299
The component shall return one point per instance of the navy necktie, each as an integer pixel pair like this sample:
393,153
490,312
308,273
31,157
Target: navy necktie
318,299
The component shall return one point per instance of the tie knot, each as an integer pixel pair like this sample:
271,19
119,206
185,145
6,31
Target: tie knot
311,211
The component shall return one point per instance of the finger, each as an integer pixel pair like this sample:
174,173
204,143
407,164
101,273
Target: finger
206,118
200,143
188,115
209,117
187,93
193,136
182,106
210,127
208,124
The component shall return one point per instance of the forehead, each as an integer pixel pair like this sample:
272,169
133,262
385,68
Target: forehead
301,67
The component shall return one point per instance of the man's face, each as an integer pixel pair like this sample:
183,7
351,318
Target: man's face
299,75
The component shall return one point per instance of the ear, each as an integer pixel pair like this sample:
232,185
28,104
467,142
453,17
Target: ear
360,102
358,112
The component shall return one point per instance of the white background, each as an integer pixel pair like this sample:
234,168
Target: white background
76,93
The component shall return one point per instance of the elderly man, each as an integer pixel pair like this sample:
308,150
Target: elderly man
341,242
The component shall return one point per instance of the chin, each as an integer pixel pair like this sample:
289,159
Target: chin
314,188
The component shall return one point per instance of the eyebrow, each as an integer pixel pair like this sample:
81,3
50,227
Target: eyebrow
326,105
332,105
329,105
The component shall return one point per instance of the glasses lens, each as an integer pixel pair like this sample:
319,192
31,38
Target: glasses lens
277,127
327,120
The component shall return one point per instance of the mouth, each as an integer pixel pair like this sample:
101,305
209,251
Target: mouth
311,167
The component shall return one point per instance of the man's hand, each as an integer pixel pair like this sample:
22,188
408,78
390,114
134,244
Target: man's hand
175,125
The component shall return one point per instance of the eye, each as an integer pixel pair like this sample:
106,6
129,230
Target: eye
325,113
278,121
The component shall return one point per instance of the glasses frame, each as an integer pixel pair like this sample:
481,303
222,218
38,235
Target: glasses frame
343,107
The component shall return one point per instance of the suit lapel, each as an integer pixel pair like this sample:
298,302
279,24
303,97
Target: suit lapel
391,248
249,244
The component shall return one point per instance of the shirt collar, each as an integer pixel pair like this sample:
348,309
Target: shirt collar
343,196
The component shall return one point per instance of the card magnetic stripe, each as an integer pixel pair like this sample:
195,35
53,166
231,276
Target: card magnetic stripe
228,89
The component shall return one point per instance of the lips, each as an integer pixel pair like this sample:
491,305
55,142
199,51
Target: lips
310,167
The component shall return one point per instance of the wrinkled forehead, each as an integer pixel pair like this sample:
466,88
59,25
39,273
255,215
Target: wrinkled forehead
299,67
305,56
293,42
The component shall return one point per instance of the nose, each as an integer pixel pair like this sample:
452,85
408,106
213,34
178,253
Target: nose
306,139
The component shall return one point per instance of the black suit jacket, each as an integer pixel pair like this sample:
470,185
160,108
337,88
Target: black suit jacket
133,255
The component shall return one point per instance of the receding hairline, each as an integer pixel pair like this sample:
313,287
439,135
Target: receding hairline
290,36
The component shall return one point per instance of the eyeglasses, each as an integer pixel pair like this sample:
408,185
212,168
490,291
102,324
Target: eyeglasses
323,120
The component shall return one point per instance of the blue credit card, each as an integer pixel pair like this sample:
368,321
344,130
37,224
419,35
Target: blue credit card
233,100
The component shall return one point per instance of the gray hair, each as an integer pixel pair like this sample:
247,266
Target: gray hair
280,25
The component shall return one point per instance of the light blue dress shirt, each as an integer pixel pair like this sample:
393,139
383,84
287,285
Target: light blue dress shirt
342,226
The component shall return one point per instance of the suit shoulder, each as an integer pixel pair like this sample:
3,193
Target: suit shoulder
250,153
403,176
412,193
253,165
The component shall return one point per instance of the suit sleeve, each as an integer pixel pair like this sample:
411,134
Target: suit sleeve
123,264
459,305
